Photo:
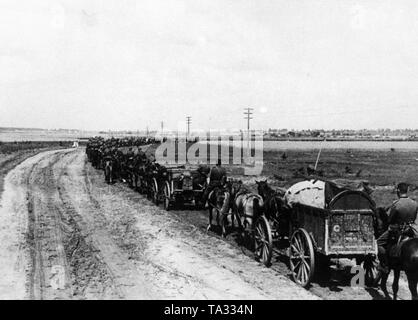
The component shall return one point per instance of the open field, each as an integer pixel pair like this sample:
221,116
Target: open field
42,135
17,146
13,153
383,169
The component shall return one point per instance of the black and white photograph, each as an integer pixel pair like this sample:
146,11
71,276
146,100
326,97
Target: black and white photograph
208,150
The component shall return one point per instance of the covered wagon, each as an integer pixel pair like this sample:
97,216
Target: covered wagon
322,219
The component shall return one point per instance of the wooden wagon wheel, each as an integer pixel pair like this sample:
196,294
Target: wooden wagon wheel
148,188
155,191
167,196
263,241
301,257
141,184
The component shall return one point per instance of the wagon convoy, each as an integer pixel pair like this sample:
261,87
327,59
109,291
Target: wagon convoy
312,221
132,160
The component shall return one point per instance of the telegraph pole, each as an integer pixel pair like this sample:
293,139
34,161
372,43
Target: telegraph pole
189,121
162,130
248,115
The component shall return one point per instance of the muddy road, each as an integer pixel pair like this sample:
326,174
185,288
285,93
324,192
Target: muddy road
65,234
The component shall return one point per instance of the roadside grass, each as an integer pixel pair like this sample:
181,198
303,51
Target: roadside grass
16,146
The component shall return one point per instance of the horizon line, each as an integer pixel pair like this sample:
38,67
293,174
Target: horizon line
208,130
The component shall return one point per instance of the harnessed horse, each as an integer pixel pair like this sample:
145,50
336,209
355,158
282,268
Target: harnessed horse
218,201
108,164
246,205
273,205
402,255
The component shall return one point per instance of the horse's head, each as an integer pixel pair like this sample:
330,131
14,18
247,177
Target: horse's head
219,196
234,186
262,187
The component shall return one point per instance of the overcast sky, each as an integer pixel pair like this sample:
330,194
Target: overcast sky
126,64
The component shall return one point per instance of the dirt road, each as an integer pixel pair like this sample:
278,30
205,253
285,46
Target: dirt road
65,234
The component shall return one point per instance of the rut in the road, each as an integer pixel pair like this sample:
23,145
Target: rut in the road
64,263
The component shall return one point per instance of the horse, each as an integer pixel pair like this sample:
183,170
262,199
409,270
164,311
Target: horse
273,204
246,205
273,200
108,170
199,177
95,158
402,255
218,200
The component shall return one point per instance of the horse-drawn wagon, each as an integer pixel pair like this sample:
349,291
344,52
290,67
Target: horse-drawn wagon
325,222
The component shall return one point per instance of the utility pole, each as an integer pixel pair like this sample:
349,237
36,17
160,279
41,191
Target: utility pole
248,115
189,121
162,130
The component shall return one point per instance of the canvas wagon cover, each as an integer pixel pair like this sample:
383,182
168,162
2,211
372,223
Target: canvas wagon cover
318,193
311,193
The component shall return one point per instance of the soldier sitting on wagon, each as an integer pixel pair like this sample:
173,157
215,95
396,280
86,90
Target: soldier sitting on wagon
402,212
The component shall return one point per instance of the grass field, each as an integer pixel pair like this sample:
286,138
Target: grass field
13,153
11,147
383,169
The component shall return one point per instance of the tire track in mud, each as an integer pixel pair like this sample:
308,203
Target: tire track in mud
45,235
64,264
37,278
110,234
14,250
91,276
113,239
